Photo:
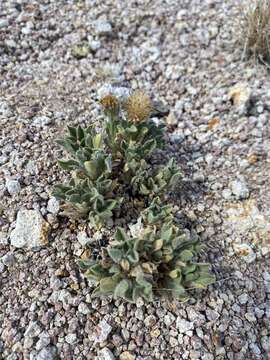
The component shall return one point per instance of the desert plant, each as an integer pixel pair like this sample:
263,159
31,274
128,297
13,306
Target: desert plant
157,213
165,178
156,259
255,30
113,164
90,190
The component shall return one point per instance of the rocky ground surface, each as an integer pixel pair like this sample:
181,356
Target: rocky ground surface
54,56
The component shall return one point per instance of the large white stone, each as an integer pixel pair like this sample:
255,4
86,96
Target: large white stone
245,221
30,231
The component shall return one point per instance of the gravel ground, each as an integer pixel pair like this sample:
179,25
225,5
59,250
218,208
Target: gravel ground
54,56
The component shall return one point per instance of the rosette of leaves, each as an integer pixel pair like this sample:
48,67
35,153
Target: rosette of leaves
154,185
138,141
131,135
90,190
160,260
156,213
132,142
88,198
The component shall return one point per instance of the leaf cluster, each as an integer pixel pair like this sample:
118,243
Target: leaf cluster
113,165
160,258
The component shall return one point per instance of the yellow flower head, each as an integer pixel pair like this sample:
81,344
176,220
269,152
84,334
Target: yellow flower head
110,103
138,106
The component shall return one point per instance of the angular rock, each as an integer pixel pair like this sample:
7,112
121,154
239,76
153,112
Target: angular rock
150,321
41,121
31,230
168,319
44,340
53,206
71,338
33,330
94,45
48,353
83,308
105,354
3,238
13,186
183,325
239,189
126,355
265,341
171,119
102,331
3,23
83,238
102,27
8,259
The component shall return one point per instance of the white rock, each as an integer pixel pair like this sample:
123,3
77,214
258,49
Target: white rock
71,338
41,121
209,158
168,319
83,238
26,30
226,193
239,189
48,353
94,45
183,325
10,43
30,231
102,331
53,205
13,186
3,238
3,23
243,299
105,354
62,295
120,92
266,276
265,341
32,330
102,27
44,340
83,308
31,168
250,317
